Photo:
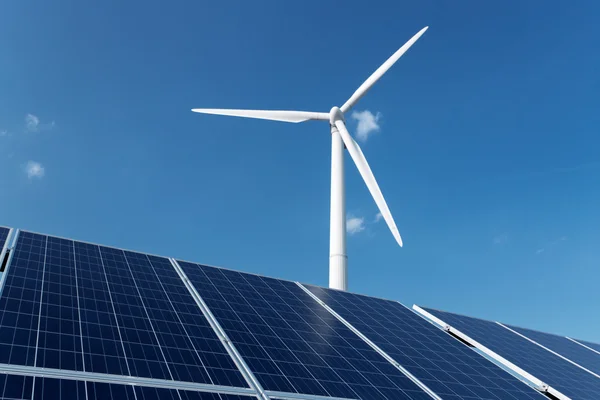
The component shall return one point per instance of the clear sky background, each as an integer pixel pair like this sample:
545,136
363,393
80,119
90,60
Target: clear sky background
487,145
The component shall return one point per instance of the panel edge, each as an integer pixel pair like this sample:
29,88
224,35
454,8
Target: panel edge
229,346
539,384
358,333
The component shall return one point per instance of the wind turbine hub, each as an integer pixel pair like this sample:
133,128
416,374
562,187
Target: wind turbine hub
335,115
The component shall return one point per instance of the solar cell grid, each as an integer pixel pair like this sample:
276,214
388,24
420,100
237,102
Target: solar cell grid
551,369
565,347
16,387
106,310
291,343
445,365
20,301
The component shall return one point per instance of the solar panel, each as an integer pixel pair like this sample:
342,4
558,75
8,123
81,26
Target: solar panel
565,347
83,307
553,370
591,345
446,366
291,343
13,387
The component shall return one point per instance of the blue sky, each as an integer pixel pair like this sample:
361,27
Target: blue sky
486,148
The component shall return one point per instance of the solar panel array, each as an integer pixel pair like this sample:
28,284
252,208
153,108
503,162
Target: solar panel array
445,365
84,321
81,307
291,343
565,347
551,369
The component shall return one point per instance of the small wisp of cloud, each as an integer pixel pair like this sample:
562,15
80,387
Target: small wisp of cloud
549,245
368,123
378,217
355,225
34,170
33,124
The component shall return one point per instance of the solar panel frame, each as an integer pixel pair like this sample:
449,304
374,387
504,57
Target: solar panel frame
438,361
28,387
227,320
571,382
595,347
539,338
8,234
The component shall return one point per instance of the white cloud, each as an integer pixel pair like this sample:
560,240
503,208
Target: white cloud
32,123
34,170
378,217
368,123
355,225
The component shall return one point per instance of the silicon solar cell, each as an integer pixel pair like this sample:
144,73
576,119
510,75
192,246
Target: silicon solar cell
13,387
445,365
551,369
291,343
565,347
105,310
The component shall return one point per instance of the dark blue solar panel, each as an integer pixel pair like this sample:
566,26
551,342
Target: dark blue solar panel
565,347
591,345
129,312
20,301
3,235
551,369
13,387
445,365
151,393
59,341
292,343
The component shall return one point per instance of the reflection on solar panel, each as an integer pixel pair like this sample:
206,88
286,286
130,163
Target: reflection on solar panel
591,345
551,369
83,307
565,347
14,387
291,343
445,365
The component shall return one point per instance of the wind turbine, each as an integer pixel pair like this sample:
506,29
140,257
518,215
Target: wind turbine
338,260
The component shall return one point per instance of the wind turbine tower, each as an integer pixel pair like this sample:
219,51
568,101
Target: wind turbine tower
340,137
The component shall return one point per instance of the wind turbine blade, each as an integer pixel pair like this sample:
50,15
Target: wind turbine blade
360,92
276,115
365,171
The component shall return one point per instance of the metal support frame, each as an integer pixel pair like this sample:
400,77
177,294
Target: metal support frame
371,344
547,349
9,244
536,383
120,379
231,350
